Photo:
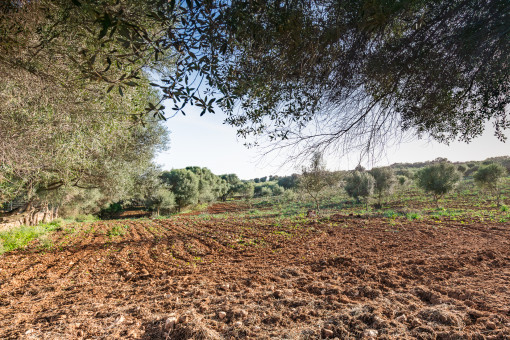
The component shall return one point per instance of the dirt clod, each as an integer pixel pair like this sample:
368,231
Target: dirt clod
370,333
420,279
327,333
170,323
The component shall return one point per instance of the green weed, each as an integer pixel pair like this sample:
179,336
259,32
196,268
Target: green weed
118,230
19,237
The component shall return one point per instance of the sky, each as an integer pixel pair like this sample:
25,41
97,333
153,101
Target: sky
207,142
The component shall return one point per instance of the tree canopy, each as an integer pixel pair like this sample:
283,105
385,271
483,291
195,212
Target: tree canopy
310,74
326,72
61,125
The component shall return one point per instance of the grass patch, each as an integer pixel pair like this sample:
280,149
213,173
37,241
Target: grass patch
19,237
117,230
85,218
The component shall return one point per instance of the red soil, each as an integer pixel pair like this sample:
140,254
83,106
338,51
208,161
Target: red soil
348,277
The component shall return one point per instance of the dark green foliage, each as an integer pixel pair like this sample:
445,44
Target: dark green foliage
234,186
436,67
471,170
489,177
210,186
184,185
360,185
402,180
438,179
384,181
359,168
289,182
404,172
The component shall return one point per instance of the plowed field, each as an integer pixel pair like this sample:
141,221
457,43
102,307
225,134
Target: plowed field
228,277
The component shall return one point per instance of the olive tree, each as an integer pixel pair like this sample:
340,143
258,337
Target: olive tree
233,185
162,200
314,179
360,185
384,180
211,186
184,185
438,179
489,177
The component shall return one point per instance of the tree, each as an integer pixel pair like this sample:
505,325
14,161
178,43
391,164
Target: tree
152,192
210,187
184,185
277,190
289,182
360,185
62,128
384,181
438,179
233,185
489,177
356,69
314,179
247,189
461,168
354,73
163,200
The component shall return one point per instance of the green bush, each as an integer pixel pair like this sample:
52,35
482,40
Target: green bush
438,179
384,179
489,177
360,185
289,195
277,190
265,191
184,185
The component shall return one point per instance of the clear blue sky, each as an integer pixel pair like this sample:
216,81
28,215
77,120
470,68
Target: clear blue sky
207,142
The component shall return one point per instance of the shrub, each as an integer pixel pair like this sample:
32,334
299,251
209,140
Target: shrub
384,180
438,179
184,185
265,191
289,195
85,218
360,185
289,182
489,177
162,201
277,190
402,180
315,179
